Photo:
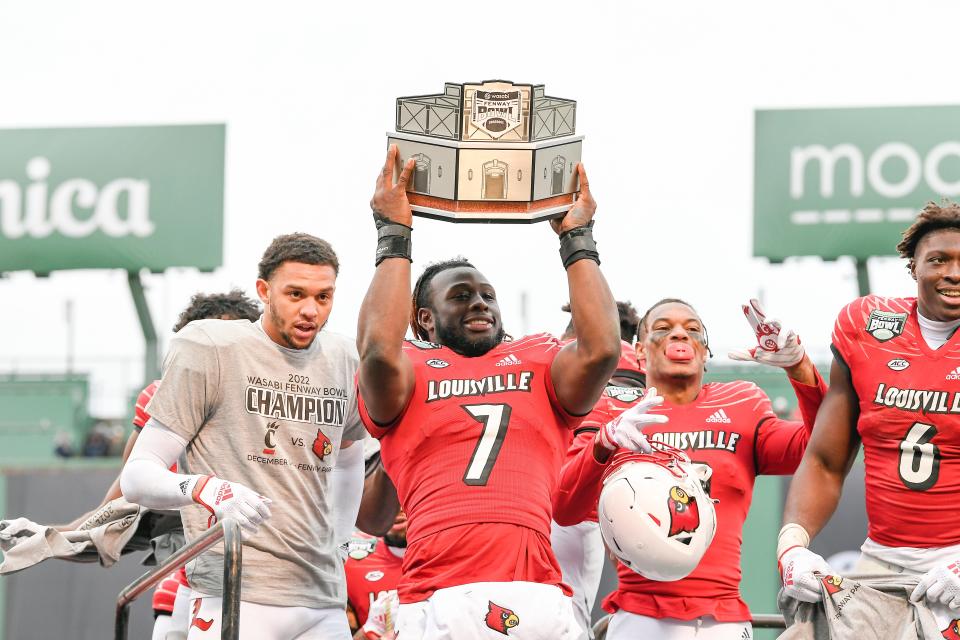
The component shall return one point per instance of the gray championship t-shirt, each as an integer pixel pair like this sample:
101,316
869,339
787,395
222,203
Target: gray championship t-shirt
272,419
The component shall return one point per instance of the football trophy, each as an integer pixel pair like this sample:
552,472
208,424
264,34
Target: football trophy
492,151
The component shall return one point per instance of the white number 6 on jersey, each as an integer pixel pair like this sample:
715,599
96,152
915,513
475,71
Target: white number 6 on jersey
919,458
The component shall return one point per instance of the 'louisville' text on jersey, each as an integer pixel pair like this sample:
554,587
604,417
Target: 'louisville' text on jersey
919,400
501,383
706,439
296,406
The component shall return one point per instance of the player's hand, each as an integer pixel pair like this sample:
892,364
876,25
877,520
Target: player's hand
231,500
626,430
940,585
583,209
382,619
798,571
776,346
389,201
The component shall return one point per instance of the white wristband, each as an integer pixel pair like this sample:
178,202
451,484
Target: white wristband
792,535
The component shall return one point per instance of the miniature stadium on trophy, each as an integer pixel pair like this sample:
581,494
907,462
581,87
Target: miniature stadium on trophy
489,152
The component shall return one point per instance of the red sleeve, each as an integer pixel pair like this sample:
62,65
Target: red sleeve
374,429
844,342
780,443
140,415
578,490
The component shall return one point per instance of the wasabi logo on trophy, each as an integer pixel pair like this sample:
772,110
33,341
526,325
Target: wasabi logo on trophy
493,151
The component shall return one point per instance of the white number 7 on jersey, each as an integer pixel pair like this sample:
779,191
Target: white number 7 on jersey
494,418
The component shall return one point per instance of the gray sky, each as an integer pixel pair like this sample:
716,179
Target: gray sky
665,92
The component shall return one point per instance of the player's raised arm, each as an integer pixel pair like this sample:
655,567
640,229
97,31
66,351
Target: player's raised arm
386,375
584,366
816,486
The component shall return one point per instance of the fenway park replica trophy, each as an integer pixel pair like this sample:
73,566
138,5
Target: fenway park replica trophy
492,151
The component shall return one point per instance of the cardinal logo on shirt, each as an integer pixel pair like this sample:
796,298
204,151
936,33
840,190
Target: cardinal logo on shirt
684,512
322,446
952,632
500,618
833,584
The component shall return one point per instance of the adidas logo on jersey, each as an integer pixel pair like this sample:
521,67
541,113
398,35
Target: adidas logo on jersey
720,416
954,375
509,361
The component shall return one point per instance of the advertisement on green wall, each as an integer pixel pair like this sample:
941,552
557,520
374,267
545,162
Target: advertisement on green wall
847,182
112,197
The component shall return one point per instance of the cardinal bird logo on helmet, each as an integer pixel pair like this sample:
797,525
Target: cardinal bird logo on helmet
500,618
684,512
952,632
322,446
832,584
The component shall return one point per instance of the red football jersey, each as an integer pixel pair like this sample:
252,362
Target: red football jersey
732,428
475,458
140,415
369,576
909,398
614,401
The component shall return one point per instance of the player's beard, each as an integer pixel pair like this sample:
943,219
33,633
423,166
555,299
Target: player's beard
289,343
397,542
455,338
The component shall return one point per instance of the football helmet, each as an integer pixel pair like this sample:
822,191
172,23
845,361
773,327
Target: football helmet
655,514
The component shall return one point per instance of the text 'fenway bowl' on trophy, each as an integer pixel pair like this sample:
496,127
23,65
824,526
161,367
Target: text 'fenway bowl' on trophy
489,152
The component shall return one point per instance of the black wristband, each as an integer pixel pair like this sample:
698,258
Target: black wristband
578,244
393,239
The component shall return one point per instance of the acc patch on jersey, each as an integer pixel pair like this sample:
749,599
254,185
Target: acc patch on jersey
884,325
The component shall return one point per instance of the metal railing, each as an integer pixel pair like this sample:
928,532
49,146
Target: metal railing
227,530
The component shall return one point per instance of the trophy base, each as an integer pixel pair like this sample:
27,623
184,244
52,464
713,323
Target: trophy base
486,211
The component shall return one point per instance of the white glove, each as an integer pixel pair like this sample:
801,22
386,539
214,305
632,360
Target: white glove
940,585
798,569
777,346
383,616
231,500
626,430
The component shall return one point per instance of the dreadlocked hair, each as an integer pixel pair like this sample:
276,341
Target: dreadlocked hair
421,290
933,218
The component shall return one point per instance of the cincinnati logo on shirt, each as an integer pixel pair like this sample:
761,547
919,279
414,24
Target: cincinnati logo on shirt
269,441
917,400
884,325
460,387
952,632
684,512
694,440
500,618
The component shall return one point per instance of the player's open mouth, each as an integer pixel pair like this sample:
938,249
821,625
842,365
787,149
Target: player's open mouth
679,352
305,329
949,293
